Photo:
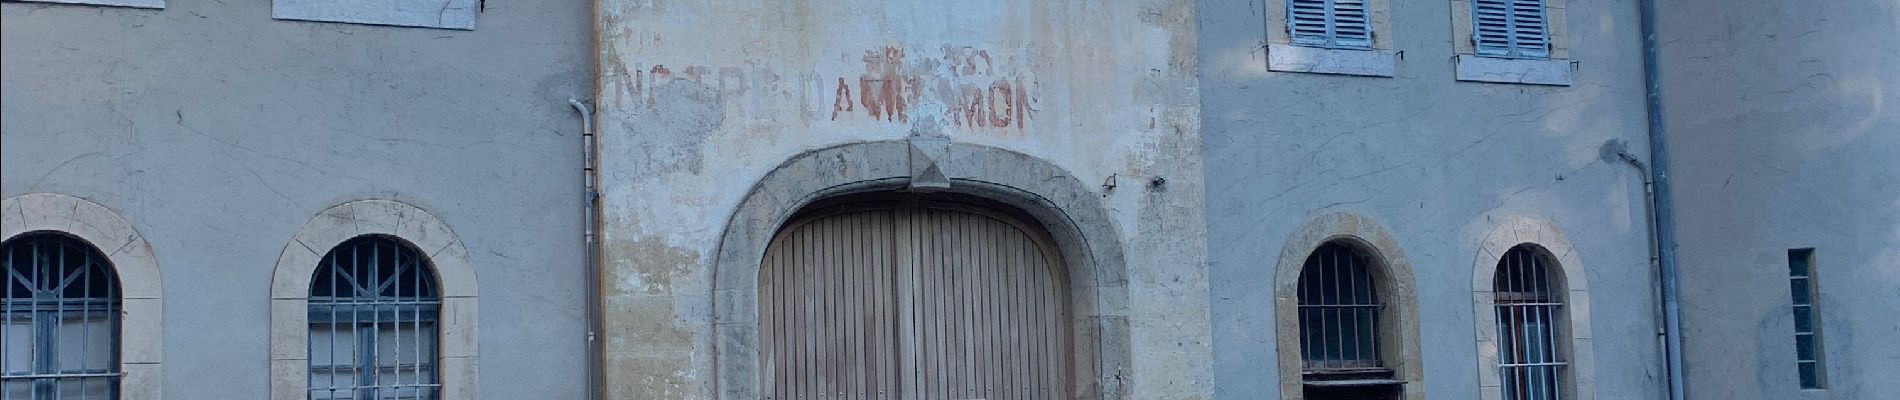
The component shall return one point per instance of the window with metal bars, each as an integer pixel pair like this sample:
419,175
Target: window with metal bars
1510,28
1337,24
1529,302
1807,327
1340,327
373,330
61,338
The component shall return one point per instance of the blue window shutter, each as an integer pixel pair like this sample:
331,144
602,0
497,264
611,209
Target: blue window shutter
1329,23
1352,24
1510,28
1528,28
1306,21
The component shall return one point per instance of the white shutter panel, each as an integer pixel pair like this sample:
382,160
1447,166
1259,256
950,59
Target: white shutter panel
1510,28
1329,23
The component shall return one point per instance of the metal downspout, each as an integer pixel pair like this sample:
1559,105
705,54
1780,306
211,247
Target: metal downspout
590,154
1665,223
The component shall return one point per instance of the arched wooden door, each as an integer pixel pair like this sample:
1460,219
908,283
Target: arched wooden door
913,300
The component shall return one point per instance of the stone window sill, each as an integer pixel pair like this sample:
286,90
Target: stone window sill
1314,60
444,14
1552,72
155,4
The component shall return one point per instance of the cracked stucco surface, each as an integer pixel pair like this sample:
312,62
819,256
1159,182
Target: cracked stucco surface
692,116
1785,122
1437,162
217,132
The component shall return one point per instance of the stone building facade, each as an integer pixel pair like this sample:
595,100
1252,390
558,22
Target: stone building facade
992,199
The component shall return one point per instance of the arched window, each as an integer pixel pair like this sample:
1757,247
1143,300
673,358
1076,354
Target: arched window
373,313
1341,315
1528,294
62,307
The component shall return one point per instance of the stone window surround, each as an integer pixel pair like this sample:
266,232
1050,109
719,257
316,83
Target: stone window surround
153,4
1284,56
1581,372
140,288
1073,216
290,289
1393,275
1554,71
443,14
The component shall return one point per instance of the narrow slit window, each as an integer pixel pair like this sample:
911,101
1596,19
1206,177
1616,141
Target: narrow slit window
61,337
373,330
1340,327
1337,24
1530,315
1510,28
1807,324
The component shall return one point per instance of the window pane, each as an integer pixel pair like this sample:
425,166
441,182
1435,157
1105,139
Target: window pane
1799,286
84,343
85,388
405,358
332,344
18,389
1803,319
1810,376
323,390
337,378
1798,261
1804,347
19,345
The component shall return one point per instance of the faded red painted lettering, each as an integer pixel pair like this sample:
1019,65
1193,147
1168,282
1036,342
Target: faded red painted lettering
695,72
843,103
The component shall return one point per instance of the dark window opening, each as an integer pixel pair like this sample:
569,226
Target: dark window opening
1340,335
1807,326
61,334
373,330
1530,317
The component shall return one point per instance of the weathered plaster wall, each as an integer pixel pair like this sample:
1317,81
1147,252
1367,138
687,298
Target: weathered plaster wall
700,100
1784,121
217,132
1437,162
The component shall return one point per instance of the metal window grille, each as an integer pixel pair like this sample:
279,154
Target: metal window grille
1807,330
1529,309
373,323
1339,313
61,338
1510,28
1341,24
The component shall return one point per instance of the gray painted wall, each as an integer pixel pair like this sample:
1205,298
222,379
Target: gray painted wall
1435,161
218,131
1785,133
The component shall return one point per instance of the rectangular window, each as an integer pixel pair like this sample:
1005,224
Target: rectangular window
1807,324
1510,28
1337,24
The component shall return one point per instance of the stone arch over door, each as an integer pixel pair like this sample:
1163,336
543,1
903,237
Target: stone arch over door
457,358
1574,284
1390,271
141,293
1078,224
